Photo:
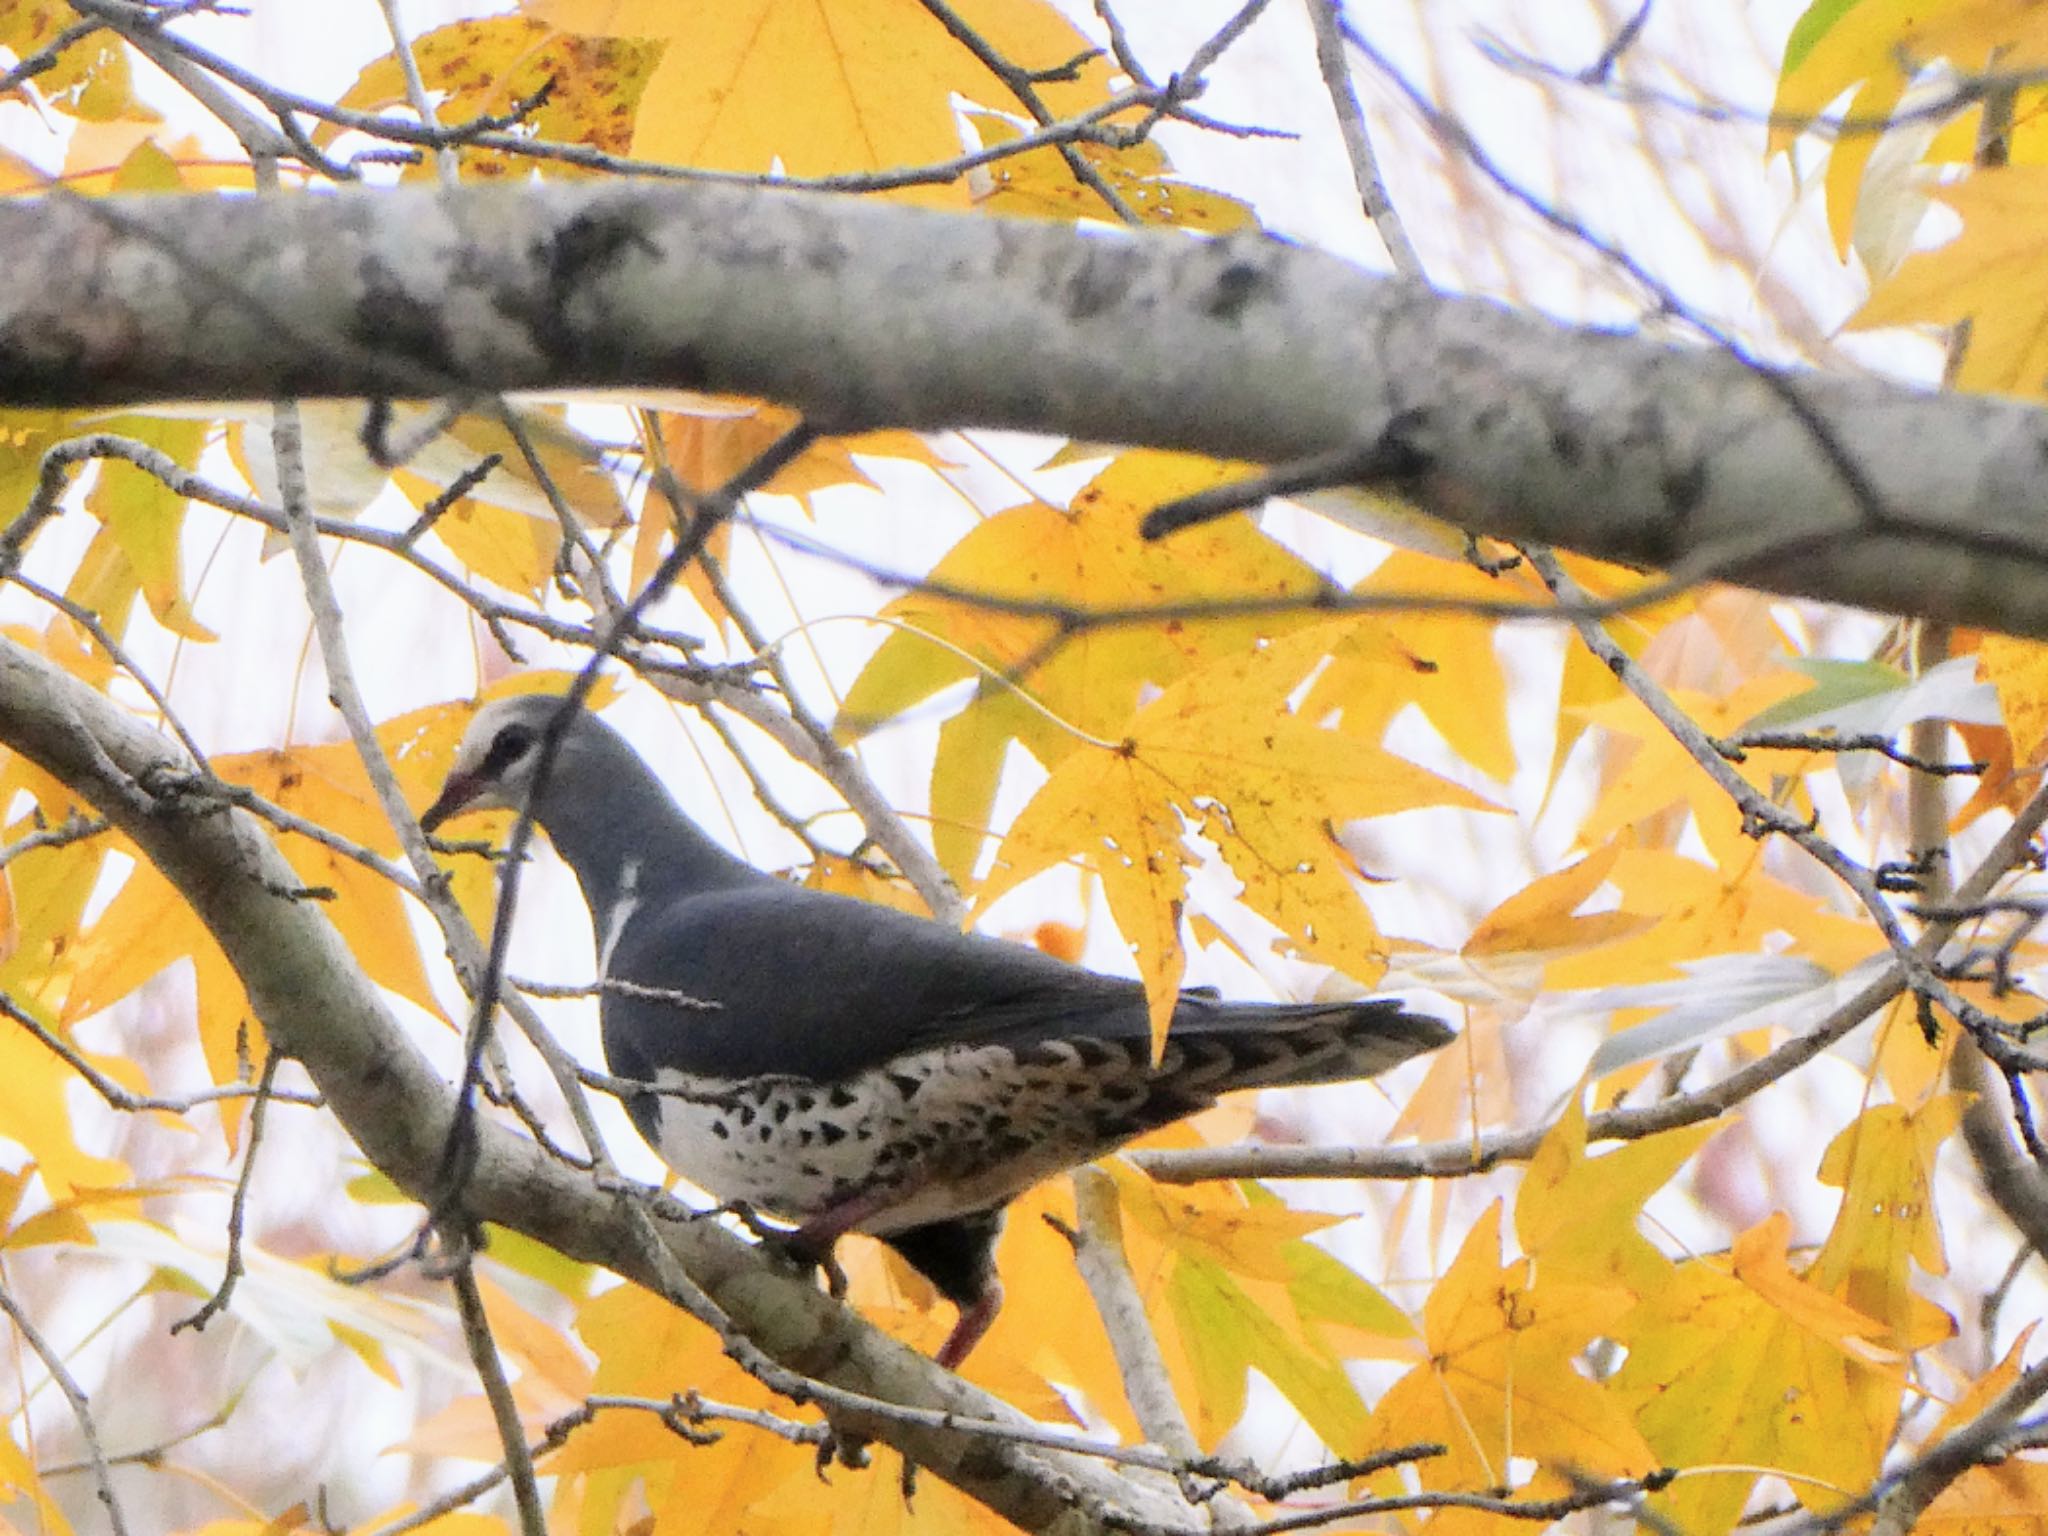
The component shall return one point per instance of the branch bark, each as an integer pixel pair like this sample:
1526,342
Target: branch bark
1689,459
317,1005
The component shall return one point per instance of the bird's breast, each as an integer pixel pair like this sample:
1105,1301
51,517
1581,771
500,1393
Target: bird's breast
947,1132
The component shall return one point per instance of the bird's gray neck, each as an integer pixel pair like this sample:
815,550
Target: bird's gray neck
628,844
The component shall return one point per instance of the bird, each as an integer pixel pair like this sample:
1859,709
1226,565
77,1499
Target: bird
849,1067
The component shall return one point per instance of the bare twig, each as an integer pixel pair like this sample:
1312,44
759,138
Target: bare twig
119,1097
490,1370
238,1209
81,1407
1326,17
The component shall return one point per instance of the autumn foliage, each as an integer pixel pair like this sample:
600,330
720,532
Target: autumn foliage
1732,899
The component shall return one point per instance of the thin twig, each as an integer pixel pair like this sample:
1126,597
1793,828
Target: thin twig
490,1370
1326,17
238,1209
121,1098
81,1407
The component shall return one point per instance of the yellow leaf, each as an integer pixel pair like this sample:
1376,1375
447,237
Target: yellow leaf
851,877
35,1111
1219,753
145,928
1538,921
1576,1214
1225,1334
327,785
1498,1382
553,1365
92,77
876,79
2018,669
1039,184
1088,558
1985,275
1756,1370
590,88
20,1482
1445,663
1215,1225
147,519
1883,1163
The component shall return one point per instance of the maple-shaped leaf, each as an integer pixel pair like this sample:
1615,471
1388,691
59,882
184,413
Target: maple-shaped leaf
1757,1369
1985,275
1512,946
1443,663
1039,184
2008,1497
715,438
1219,753
647,1348
1883,1162
146,519
588,89
35,1108
138,551
1040,687
1879,47
1701,911
1498,1382
1233,1288
92,76
1576,1215
146,928
329,786
877,79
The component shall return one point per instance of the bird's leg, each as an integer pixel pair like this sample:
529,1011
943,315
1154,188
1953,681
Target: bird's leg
814,1239
976,1317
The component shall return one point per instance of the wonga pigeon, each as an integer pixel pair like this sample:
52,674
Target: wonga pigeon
859,1069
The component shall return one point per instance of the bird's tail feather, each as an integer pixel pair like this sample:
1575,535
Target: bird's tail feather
1255,1045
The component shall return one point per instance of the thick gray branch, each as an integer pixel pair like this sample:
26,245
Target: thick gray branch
864,315
317,1006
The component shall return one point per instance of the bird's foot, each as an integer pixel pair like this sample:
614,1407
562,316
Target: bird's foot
840,1449
803,1254
801,1248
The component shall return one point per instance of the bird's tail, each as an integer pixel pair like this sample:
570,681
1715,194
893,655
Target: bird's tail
1259,1045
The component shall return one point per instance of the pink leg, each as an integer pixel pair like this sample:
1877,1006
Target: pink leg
974,1321
820,1232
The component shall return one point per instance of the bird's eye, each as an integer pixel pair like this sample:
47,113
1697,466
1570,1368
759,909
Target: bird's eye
507,747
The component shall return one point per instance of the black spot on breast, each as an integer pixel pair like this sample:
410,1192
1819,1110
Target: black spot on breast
841,1096
781,1111
833,1134
718,1129
746,1112
906,1084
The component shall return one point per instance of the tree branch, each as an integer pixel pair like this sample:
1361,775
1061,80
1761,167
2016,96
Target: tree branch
316,1004
867,315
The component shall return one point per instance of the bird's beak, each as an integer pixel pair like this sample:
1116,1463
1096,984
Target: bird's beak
455,797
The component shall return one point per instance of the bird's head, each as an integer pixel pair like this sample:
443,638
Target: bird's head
495,762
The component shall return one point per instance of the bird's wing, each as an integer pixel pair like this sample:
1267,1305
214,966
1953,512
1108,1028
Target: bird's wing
814,985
